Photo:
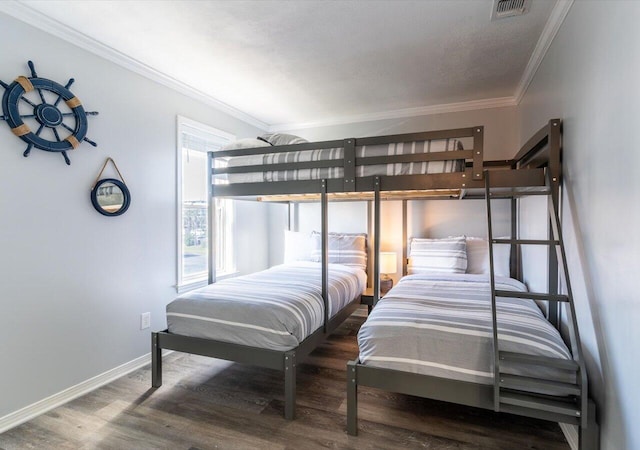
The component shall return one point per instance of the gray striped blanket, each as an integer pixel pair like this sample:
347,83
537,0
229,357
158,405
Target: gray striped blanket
274,309
441,325
399,148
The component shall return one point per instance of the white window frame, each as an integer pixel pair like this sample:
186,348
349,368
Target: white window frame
216,137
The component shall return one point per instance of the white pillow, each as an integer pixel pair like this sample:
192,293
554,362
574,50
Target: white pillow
344,248
448,255
478,257
297,246
282,139
245,143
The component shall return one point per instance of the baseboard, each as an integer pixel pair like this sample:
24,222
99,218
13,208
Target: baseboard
40,407
571,433
27,413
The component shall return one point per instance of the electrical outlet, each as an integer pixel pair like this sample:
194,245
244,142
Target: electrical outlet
145,320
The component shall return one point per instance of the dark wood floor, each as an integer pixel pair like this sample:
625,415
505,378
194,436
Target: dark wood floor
206,403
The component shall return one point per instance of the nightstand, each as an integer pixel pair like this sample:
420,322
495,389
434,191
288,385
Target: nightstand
367,298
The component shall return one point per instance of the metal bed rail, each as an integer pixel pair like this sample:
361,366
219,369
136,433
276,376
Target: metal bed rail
349,162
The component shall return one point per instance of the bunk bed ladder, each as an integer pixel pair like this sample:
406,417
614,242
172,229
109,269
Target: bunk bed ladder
534,396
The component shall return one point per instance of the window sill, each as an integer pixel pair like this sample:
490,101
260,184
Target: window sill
191,285
182,288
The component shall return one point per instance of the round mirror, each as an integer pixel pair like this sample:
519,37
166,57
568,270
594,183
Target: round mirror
110,197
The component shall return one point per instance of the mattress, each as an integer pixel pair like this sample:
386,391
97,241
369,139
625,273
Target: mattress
399,148
442,326
272,309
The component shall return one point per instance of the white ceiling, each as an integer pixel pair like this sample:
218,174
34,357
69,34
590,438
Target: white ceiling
293,62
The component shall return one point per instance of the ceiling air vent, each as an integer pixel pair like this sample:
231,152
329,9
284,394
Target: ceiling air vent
509,8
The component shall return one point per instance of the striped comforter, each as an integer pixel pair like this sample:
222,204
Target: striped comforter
274,309
442,326
399,148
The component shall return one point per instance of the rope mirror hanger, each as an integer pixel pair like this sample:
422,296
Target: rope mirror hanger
109,196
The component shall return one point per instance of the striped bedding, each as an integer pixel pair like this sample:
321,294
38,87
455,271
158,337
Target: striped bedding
399,148
441,325
273,309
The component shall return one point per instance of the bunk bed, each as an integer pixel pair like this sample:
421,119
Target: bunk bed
295,171
480,340
434,164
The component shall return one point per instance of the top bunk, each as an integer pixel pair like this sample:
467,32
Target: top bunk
438,164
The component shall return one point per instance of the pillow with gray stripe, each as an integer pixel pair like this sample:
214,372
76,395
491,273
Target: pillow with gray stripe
282,139
344,248
448,255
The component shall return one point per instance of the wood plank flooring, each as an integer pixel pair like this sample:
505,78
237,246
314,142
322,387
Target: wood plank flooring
206,403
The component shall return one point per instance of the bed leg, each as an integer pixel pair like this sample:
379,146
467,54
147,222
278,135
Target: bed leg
290,385
590,435
352,399
156,361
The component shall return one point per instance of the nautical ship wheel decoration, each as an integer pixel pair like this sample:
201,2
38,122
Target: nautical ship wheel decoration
45,104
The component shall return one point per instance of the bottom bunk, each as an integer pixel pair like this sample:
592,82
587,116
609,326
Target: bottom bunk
431,336
271,319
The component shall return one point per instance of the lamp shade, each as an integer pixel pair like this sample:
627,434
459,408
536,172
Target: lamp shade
388,262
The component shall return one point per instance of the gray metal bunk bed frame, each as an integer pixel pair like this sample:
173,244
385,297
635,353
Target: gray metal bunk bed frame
526,172
539,164
287,361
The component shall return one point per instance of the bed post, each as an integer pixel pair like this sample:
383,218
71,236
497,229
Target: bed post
349,181
352,399
376,240
325,253
290,385
370,245
555,173
589,436
211,224
478,153
514,255
156,361
404,238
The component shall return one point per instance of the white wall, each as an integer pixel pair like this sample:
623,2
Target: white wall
343,217
73,282
589,78
500,133
442,218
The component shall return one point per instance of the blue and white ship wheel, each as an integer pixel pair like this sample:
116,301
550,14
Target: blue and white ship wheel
47,109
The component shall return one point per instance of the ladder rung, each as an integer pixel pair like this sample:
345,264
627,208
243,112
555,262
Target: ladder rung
521,383
559,363
539,414
532,295
526,241
544,404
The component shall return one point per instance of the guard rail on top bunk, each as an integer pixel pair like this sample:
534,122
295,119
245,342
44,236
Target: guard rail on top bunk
470,177
349,162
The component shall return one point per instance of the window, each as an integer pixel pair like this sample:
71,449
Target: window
194,141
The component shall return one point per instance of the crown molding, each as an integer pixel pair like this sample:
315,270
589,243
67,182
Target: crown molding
41,21
34,18
400,113
549,32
